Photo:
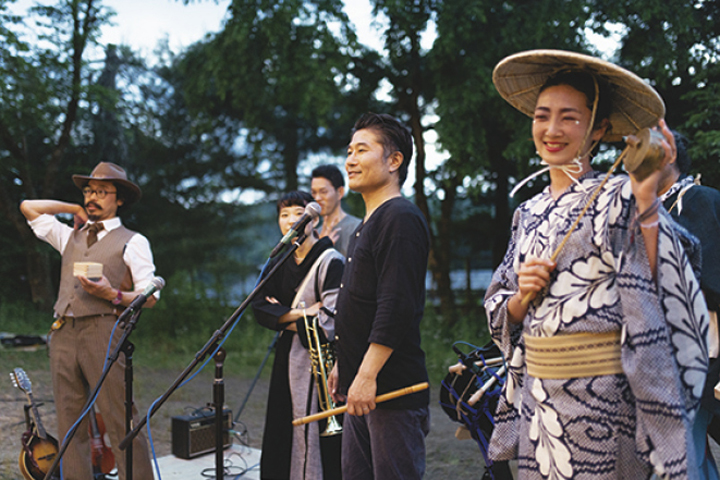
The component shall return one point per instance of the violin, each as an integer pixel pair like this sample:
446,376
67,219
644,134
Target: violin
39,449
103,459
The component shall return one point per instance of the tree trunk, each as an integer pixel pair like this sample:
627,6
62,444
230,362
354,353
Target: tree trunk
39,278
439,258
468,285
38,262
502,215
291,156
502,168
443,257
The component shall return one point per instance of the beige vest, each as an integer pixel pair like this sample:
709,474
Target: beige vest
72,298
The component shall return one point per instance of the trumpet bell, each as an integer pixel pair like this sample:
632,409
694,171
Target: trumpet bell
332,428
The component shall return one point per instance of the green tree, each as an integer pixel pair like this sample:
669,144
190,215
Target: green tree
452,81
189,169
674,44
486,139
107,131
281,74
404,65
44,84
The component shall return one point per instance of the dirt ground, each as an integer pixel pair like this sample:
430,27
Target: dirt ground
447,457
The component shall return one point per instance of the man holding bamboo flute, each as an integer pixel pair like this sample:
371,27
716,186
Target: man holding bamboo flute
379,308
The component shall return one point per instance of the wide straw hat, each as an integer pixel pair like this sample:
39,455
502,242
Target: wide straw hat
635,104
110,172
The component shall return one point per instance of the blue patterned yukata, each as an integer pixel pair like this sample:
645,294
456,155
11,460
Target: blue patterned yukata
611,426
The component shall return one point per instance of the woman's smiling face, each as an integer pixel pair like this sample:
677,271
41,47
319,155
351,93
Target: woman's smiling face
561,120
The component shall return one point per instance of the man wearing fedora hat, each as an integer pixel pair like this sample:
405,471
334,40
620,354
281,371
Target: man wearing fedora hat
87,308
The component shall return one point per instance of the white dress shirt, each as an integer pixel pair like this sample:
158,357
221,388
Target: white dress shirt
138,256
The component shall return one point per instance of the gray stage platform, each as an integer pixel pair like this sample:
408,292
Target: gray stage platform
173,468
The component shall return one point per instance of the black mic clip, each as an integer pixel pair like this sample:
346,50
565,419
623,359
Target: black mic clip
156,284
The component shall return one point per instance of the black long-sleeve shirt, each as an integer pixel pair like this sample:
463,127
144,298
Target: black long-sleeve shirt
382,299
701,216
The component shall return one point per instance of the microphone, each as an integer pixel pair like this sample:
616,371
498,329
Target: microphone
156,284
312,211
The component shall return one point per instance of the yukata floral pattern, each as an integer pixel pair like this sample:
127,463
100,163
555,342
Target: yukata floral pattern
610,426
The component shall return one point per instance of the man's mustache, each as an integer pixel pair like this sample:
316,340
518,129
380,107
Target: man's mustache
94,205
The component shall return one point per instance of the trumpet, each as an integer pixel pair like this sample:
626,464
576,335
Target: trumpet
322,359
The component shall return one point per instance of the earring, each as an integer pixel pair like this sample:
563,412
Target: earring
577,122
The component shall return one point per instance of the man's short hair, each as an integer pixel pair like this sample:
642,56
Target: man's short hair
331,173
122,193
296,198
393,135
683,160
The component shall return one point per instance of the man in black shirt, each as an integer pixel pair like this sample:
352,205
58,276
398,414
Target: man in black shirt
379,308
697,208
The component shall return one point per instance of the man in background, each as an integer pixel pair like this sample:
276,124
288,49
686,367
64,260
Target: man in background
328,188
697,208
87,309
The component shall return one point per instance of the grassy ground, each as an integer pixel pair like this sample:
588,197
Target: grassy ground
155,371
167,339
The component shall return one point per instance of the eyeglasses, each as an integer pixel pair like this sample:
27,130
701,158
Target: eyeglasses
99,193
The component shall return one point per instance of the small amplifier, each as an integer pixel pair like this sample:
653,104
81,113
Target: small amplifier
194,435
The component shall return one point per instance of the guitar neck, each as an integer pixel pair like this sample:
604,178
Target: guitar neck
40,430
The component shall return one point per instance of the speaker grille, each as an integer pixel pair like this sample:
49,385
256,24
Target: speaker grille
194,435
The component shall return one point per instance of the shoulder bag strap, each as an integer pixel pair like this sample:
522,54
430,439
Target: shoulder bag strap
309,275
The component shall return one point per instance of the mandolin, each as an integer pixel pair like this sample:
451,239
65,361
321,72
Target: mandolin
103,459
39,448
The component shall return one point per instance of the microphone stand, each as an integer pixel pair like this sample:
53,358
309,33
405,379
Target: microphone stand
126,347
219,400
209,347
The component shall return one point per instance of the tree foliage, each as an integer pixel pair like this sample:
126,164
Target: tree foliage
281,74
487,139
44,85
674,45
240,111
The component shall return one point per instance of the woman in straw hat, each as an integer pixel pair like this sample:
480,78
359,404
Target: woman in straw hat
595,304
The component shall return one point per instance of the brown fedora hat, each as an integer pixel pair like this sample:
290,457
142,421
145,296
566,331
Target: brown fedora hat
110,172
635,104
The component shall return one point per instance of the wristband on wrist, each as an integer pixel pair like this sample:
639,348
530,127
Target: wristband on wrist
650,225
649,212
118,298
